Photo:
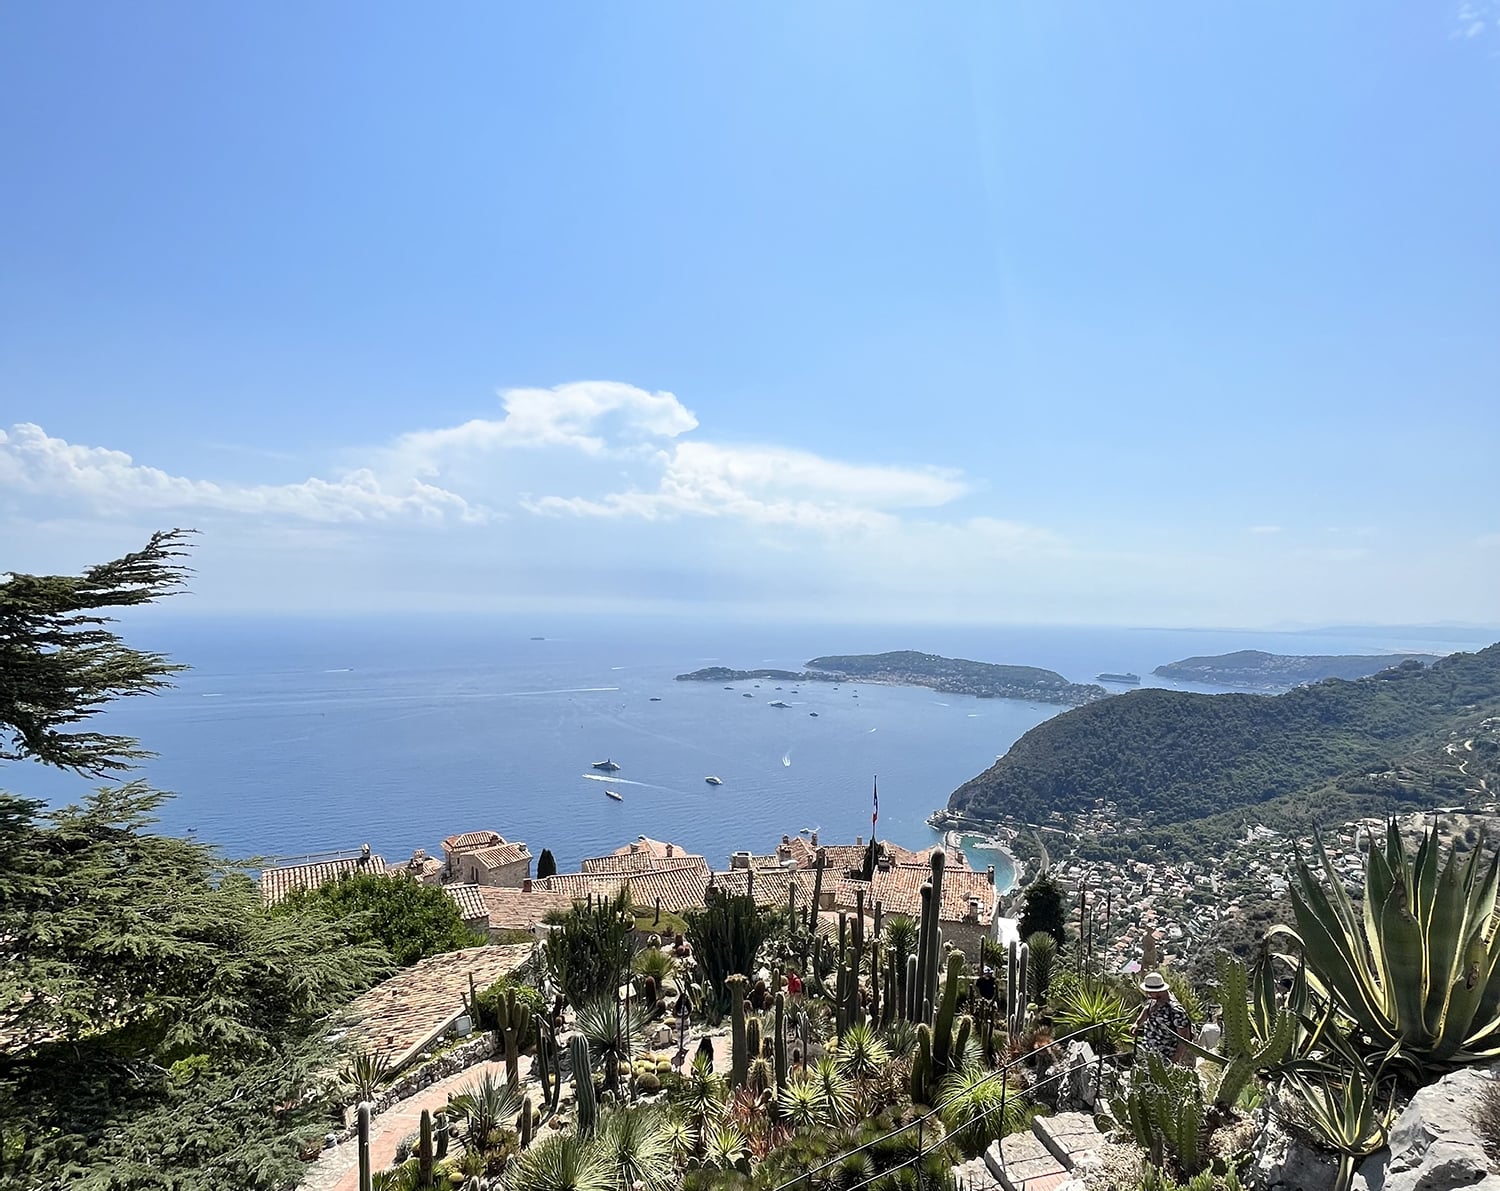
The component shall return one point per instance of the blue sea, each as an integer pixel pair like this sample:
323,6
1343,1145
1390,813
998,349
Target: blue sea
293,736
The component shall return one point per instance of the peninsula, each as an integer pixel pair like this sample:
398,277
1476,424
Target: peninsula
957,676
1275,671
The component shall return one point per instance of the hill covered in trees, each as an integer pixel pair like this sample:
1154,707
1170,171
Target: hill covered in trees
1413,734
1254,667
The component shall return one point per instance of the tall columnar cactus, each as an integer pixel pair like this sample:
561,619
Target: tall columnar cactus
440,1134
1016,963
1248,1047
525,1121
549,1066
942,1030
918,992
753,1038
780,1044
740,1058
362,1131
583,1085
923,1084
425,1156
875,967
934,907
514,1017
817,899
1165,1113
912,966
879,917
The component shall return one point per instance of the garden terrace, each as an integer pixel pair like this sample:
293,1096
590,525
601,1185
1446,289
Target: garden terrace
403,1015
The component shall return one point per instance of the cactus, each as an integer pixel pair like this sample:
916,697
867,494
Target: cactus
525,1121
583,1085
740,1056
549,1063
1247,1048
424,1150
752,1038
922,1083
780,1045
875,970
513,1018
1165,1113
440,1135
362,1129
932,909
942,1031
1016,964
913,968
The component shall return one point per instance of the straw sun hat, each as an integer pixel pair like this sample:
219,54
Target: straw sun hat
1153,983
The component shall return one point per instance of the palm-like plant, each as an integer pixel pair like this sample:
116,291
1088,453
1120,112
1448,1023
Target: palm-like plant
803,1105
364,1072
839,1099
562,1162
638,1144
654,962
978,1106
1098,1011
1416,969
701,1099
681,1137
484,1106
861,1053
1041,959
614,1029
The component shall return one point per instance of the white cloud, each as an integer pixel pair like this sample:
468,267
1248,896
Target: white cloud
35,463
1474,17
593,416
770,485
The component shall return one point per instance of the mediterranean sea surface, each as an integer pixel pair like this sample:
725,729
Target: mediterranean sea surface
293,736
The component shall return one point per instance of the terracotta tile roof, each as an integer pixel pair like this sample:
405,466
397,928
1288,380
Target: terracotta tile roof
472,839
467,898
639,862
678,887
655,846
770,885
400,1016
899,891
276,883
499,855
515,909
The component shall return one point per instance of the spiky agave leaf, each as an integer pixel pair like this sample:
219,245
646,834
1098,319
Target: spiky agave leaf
639,1143
803,1105
562,1162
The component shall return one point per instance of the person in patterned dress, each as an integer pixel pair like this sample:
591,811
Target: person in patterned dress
1163,1027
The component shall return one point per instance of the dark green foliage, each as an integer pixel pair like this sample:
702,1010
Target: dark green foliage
726,936
60,664
1042,909
588,950
1174,756
546,865
164,1023
412,921
489,1001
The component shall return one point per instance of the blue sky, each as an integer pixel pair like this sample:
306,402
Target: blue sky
1168,314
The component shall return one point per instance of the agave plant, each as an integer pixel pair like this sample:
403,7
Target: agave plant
726,1147
861,1053
638,1144
839,1100
1096,1010
364,1072
1416,969
562,1162
701,1099
1345,1113
978,1106
803,1105
484,1106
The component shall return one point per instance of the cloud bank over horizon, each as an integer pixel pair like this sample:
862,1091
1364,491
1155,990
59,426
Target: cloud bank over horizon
600,495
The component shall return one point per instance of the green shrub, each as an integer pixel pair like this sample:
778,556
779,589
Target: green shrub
487,1008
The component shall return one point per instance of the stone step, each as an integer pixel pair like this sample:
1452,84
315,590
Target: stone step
1068,1136
1021,1162
974,1175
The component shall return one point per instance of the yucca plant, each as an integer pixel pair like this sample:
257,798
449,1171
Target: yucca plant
700,1099
839,1099
1098,1011
971,1102
365,1071
1346,1113
638,1144
485,1106
860,1053
1416,968
726,1148
614,1031
562,1162
802,1103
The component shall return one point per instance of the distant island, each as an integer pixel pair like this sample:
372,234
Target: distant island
957,676
1275,671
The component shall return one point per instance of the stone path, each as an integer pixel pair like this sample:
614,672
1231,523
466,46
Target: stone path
1044,1158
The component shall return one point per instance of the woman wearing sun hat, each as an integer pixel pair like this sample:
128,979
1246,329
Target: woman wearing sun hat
1163,1027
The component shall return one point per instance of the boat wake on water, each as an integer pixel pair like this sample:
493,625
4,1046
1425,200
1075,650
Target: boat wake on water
625,781
787,760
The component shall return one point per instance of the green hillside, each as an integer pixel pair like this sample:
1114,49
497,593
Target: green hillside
1173,757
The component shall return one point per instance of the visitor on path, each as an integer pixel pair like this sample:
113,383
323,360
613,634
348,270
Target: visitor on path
793,984
1163,1027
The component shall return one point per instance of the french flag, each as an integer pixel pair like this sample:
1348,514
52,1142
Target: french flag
875,813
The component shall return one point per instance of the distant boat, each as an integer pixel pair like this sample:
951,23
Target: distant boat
607,765
539,638
814,714
729,688
656,698
777,703
714,781
1128,679
615,794
747,695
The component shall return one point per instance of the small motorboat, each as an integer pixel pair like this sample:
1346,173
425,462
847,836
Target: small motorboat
814,714
747,695
777,703
607,765
615,794
714,781
656,698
